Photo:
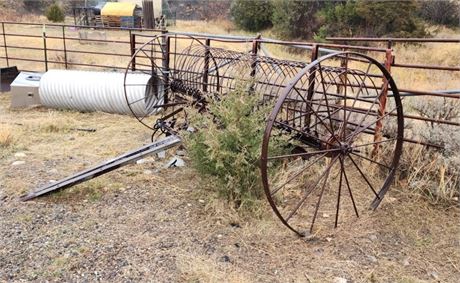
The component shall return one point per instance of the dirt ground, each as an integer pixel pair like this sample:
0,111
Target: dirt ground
147,223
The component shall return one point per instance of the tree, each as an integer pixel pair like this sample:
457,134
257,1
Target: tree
372,18
252,15
445,12
295,18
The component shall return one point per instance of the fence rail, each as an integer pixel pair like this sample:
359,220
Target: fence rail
390,44
62,34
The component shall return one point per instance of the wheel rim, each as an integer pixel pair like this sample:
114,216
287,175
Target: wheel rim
159,93
326,118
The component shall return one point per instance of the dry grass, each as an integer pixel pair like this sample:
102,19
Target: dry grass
428,173
6,137
166,227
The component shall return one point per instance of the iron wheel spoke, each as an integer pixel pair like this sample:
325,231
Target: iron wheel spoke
338,194
326,99
314,112
349,188
359,130
370,160
372,143
320,197
364,176
310,189
273,192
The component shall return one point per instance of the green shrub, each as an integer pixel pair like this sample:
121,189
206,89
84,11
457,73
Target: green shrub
372,18
226,148
295,18
55,13
252,15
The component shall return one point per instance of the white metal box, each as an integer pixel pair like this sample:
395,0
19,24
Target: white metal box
24,90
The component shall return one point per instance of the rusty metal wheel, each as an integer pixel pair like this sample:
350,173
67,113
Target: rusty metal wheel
330,148
154,70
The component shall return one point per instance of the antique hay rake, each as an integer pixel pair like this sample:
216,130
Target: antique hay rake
339,117
330,113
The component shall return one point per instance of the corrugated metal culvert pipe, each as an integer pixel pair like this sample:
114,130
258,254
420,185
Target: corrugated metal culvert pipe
99,91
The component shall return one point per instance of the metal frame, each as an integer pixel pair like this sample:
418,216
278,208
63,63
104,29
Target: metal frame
190,75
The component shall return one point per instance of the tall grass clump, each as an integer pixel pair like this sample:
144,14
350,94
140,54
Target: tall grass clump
226,148
7,141
434,172
6,137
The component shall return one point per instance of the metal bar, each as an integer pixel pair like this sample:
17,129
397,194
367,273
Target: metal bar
23,35
92,40
105,167
68,38
427,67
423,143
446,94
27,48
236,39
395,39
64,45
132,42
254,51
214,36
436,93
206,64
96,66
82,26
339,46
166,42
4,42
69,63
383,99
93,52
44,48
31,60
311,82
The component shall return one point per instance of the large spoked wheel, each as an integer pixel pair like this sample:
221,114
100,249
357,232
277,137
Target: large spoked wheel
155,92
330,148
